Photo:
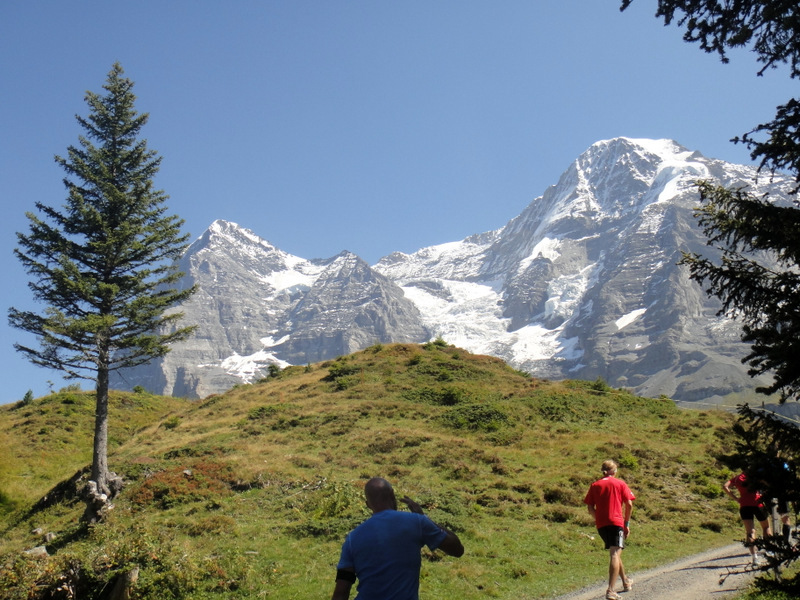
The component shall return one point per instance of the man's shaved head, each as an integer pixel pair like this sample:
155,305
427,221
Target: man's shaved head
380,495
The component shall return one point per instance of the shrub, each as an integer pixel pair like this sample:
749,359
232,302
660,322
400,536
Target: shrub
450,396
599,385
204,480
260,413
6,503
167,572
711,490
627,460
437,344
559,515
712,526
414,360
562,495
447,396
561,410
475,417
213,524
340,369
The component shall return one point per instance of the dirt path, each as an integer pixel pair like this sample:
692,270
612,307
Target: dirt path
695,578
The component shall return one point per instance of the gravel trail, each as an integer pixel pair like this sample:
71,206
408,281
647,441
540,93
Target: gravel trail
698,577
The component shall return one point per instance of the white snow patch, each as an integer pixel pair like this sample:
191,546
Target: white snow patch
566,293
652,217
471,317
270,342
535,343
662,147
675,175
289,278
626,320
249,367
546,248
449,261
472,312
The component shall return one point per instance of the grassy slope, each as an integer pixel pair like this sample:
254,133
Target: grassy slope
249,494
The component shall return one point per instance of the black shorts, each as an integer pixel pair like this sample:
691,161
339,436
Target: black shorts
612,535
748,513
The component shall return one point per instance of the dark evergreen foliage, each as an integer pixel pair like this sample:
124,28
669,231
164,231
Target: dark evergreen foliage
767,301
744,227
104,265
769,27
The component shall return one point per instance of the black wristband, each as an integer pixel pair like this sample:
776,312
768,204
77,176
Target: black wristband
346,575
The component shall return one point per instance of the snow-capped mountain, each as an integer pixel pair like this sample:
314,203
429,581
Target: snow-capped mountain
584,283
256,305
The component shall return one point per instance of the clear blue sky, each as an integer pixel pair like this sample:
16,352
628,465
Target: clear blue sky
352,124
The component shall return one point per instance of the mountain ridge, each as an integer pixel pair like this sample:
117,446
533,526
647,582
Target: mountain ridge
583,283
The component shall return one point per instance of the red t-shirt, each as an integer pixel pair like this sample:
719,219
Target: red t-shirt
747,497
607,495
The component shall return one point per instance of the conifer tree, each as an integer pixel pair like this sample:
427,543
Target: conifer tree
745,228
742,226
104,265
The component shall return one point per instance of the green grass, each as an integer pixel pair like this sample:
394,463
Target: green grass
249,494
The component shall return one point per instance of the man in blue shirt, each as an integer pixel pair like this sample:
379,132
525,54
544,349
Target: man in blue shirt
383,553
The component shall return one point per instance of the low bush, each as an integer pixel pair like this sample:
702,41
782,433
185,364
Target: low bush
475,417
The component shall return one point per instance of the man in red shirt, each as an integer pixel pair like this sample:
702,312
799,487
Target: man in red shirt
607,499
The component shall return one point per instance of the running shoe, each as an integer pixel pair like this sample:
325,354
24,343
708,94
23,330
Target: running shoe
627,585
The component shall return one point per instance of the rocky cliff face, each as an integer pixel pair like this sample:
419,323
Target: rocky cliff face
584,283
256,305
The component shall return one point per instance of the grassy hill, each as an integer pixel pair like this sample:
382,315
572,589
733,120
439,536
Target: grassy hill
249,494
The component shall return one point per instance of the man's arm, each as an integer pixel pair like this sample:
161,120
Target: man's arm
451,544
628,506
344,581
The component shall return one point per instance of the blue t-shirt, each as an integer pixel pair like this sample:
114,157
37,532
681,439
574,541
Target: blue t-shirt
385,553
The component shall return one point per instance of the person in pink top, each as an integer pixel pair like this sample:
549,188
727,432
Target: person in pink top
610,502
751,508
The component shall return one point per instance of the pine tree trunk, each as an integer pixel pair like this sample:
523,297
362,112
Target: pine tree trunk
98,493
100,452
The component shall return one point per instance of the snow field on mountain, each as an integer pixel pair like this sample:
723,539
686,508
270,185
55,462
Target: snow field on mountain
471,318
461,319
248,368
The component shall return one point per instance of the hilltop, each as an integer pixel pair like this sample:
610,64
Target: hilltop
248,494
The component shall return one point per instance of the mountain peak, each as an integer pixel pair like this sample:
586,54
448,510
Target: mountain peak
233,232
662,148
583,283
